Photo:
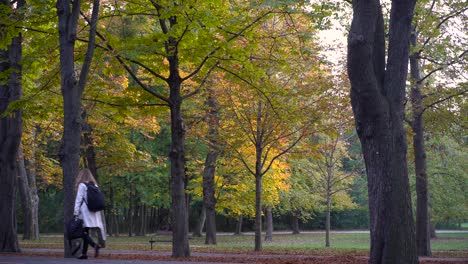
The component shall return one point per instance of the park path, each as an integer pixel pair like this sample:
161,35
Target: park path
200,257
16,259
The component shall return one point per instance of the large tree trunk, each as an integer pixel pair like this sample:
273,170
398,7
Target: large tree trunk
180,245
29,199
269,225
423,240
209,199
72,89
377,97
10,137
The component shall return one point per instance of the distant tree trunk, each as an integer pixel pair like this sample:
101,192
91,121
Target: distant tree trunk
131,210
10,135
258,179
200,224
29,199
72,88
143,216
137,219
30,165
377,98
432,230
295,224
88,146
330,176
269,225
110,212
258,213
327,220
238,226
423,240
209,199
116,223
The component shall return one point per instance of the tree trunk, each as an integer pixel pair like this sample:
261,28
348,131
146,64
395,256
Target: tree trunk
72,89
258,213
110,212
327,220
432,230
29,200
238,226
10,137
210,202
200,224
377,98
88,146
209,199
30,165
269,225
258,178
295,224
130,212
179,216
423,240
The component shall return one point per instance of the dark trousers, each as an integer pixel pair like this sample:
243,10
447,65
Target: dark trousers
87,241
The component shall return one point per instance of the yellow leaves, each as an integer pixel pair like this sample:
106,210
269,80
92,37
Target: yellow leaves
148,124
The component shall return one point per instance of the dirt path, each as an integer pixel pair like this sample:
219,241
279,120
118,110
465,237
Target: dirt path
231,258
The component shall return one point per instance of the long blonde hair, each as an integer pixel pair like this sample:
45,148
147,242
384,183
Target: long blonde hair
84,175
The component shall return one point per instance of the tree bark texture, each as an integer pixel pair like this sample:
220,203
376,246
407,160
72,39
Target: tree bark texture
180,245
269,225
10,137
72,88
377,98
29,199
209,199
423,240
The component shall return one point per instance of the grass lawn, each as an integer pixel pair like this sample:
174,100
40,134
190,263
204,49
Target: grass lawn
356,244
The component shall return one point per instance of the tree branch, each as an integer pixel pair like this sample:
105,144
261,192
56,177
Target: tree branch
228,40
129,70
444,99
90,50
202,83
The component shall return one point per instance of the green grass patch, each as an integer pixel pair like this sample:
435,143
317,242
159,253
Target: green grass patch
355,244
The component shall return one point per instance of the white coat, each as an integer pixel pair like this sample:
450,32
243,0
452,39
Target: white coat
90,219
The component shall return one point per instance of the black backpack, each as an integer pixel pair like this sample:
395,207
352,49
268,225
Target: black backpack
95,199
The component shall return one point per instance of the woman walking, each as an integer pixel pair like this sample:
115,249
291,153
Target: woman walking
91,220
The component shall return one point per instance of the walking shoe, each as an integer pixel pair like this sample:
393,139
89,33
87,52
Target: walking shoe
83,257
96,250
